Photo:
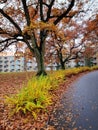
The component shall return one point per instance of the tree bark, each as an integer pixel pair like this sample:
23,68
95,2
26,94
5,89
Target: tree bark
62,65
61,60
40,64
39,54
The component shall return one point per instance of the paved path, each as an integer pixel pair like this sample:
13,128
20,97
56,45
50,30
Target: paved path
79,105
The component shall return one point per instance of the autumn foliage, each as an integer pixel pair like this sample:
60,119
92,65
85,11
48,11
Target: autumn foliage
33,22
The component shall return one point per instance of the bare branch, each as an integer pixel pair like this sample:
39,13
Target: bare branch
26,12
45,4
11,20
6,40
65,13
4,46
49,10
41,10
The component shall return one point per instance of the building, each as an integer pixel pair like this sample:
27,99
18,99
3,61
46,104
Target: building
8,63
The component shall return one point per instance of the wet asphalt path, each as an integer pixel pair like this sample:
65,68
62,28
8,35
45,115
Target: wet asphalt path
79,105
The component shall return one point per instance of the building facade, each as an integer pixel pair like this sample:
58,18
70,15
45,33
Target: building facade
8,63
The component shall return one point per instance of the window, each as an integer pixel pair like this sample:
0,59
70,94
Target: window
6,61
5,66
0,61
6,70
11,61
12,70
0,66
0,70
18,70
5,57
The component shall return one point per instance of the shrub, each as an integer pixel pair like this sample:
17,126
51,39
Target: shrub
56,78
32,98
94,68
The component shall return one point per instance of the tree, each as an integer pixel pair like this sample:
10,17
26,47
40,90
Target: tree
89,54
66,49
30,22
91,33
90,39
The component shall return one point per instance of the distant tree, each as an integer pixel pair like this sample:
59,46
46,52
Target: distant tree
90,39
66,49
89,54
91,30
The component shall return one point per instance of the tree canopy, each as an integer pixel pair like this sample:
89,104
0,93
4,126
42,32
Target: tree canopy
32,22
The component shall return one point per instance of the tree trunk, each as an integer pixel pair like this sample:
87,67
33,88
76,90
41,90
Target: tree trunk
62,65
40,64
39,55
61,60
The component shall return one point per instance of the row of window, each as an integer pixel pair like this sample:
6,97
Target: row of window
6,65
12,70
4,57
9,64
